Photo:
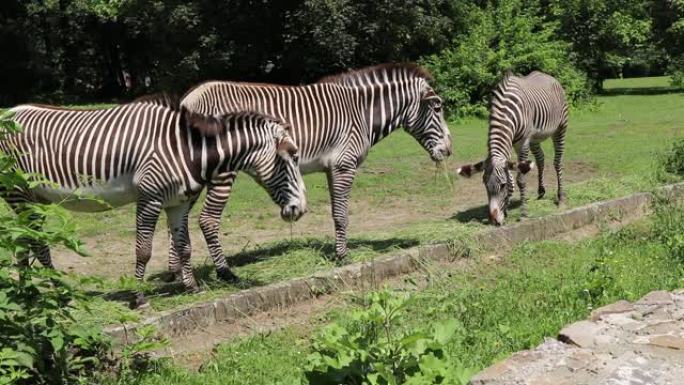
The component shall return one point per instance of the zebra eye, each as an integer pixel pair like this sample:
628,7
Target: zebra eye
503,186
437,107
295,158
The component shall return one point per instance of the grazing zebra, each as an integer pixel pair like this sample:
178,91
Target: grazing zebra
158,157
335,122
524,112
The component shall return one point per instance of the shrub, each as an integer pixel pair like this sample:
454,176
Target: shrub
507,37
673,160
41,341
668,226
373,349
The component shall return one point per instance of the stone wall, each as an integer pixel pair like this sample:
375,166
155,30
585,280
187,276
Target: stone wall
625,343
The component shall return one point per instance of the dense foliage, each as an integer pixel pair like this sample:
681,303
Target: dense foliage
40,341
70,50
510,36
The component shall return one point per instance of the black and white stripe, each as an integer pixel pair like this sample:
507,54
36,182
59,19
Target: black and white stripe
158,157
335,123
524,112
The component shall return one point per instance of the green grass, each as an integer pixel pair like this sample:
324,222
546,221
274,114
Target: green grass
504,307
642,86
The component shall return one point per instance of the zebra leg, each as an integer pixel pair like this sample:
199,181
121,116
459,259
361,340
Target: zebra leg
178,226
210,221
17,200
146,216
520,179
174,260
559,149
339,183
538,153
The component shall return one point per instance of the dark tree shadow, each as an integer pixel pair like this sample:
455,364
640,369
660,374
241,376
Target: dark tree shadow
326,247
645,91
164,284
480,214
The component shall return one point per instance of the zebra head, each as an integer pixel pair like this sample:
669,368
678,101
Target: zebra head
277,170
426,123
498,181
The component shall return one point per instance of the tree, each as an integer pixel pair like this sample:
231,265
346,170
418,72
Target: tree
668,27
605,35
510,36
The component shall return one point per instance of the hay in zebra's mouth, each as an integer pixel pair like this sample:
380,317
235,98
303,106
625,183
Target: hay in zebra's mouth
442,165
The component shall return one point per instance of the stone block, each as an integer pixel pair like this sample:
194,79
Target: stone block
580,333
658,298
667,341
614,308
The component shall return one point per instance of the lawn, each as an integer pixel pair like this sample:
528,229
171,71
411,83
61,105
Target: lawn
502,306
399,200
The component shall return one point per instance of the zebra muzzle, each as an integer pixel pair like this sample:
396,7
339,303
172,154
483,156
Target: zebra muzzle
292,212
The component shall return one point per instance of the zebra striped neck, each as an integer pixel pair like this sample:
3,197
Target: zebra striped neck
504,118
384,114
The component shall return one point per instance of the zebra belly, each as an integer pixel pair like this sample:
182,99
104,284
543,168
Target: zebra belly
540,134
103,196
320,163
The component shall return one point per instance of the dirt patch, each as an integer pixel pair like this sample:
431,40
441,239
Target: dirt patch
113,255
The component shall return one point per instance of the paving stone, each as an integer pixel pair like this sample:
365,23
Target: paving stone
580,333
617,307
668,341
656,298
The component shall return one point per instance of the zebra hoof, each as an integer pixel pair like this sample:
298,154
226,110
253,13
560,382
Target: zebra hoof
170,276
139,301
341,260
194,289
541,192
227,276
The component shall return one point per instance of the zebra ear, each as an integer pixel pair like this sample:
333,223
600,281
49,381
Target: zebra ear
206,125
285,145
525,166
429,93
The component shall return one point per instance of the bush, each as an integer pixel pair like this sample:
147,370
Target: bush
673,160
373,349
507,37
668,226
41,341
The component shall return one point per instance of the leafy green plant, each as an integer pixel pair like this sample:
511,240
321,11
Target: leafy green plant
41,341
135,356
673,159
668,226
599,279
373,348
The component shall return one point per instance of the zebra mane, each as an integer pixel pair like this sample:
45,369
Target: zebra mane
503,84
349,77
212,125
170,101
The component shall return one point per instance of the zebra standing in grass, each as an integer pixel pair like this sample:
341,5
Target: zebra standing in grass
335,123
524,112
159,157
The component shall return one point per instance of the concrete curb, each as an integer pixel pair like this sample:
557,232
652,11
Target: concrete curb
175,323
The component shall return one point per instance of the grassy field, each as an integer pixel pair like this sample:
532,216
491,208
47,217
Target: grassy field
501,305
398,200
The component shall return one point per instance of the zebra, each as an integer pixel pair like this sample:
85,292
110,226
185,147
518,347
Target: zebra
525,111
158,157
335,123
